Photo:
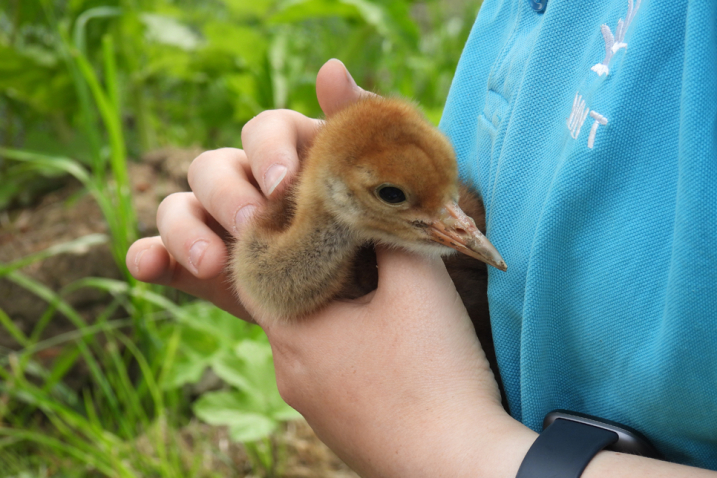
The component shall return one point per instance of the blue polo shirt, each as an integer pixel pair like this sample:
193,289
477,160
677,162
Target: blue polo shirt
590,130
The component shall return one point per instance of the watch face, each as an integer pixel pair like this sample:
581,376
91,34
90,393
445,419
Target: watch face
629,440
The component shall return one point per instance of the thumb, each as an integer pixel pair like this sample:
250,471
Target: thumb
406,275
335,88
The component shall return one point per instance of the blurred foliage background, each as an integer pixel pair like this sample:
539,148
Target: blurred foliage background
87,89
193,72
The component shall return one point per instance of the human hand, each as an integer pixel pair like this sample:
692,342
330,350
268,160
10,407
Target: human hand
382,380
397,384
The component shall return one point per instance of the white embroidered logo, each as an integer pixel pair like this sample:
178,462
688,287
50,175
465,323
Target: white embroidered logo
599,120
578,116
614,43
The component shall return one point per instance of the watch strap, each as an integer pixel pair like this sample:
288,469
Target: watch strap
564,449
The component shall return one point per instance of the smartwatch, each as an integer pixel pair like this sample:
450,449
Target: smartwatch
570,440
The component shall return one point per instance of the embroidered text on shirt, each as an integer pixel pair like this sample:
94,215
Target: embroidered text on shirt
614,43
599,120
577,118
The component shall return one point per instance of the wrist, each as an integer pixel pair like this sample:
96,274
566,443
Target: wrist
457,443
503,446
489,445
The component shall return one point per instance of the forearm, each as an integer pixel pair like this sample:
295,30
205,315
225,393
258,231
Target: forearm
513,443
620,465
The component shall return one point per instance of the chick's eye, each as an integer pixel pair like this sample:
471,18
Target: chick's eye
391,194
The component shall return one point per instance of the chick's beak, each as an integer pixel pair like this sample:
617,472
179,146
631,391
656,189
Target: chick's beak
457,230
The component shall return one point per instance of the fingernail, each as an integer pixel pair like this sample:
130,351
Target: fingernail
273,177
346,70
349,77
195,255
243,215
138,259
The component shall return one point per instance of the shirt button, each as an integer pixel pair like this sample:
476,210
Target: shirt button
538,5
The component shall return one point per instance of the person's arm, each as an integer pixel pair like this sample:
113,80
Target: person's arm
395,383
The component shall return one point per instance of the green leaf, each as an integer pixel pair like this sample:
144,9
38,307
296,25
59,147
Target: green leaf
295,11
185,369
13,329
247,10
50,162
200,344
93,458
208,338
235,411
169,31
244,92
35,76
243,42
80,27
195,352
61,366
170,63
251,427
250,368
372,14
221,325
78,246
27,12
285,413
230,368
75,146
259,371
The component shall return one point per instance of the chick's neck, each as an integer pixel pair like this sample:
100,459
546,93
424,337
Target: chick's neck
312,257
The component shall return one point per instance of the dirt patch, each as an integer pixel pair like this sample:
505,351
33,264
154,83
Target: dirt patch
70,213
209,451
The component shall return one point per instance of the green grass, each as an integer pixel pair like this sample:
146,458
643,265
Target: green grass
87,84
133,396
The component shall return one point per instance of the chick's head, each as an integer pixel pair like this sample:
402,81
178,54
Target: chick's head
384,171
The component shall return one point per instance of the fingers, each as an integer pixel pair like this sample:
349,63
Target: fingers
272,140
336,88
184,226
222,182
149,261
190,255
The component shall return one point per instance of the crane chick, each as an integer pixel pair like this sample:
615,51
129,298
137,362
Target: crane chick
377,172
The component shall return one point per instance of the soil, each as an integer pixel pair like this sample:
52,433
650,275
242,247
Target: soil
69,213
303,455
